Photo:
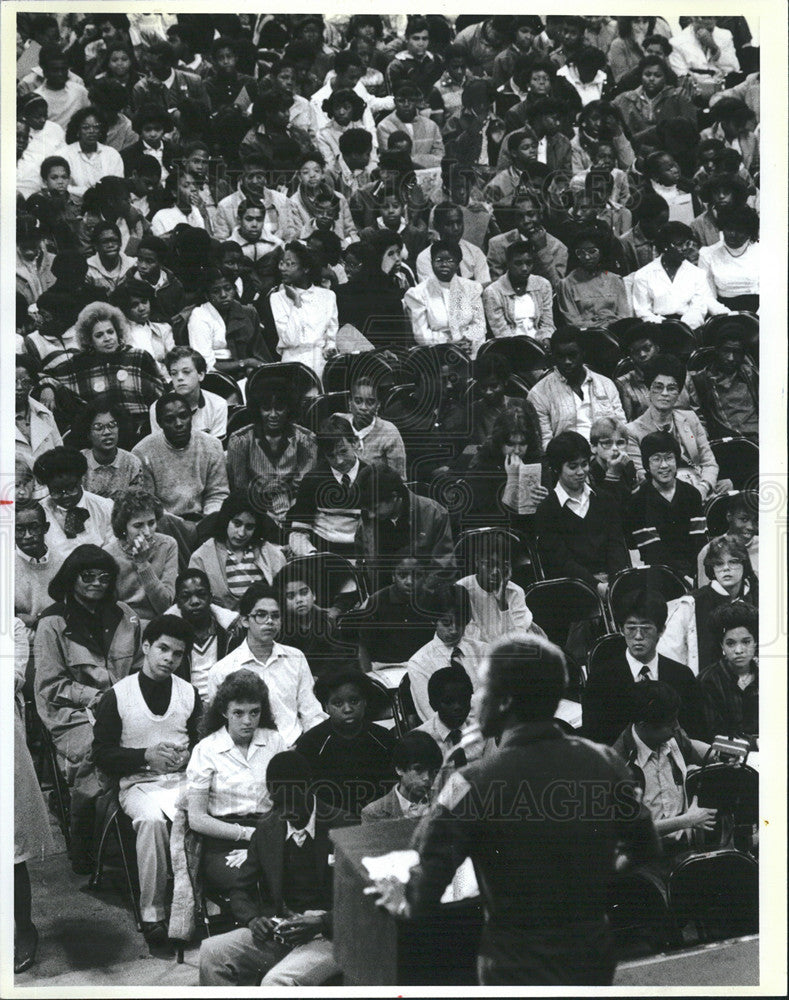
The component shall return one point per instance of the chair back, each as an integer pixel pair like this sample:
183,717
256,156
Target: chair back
608,647
718,507
558,604
321,407
628,582
240,417
524,356
330,575
738,460
387,707
718,891
223,385
407,708
601,349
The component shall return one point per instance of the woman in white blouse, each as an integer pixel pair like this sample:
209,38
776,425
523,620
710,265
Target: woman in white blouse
134,298
305,315
732,265
664,177
670,287
89,160
445,308
226,775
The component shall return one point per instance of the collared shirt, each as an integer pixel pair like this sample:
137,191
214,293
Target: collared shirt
680,203
473,264
435,655
122,473
236,783
687,295
351,474
636,666
578,505
488,617
411,809
210,415
208,333
289,680
40,561
300,834
583,403
166,219
87,169
731,274
663,796
255,249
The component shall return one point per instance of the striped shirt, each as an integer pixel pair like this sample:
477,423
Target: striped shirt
241,571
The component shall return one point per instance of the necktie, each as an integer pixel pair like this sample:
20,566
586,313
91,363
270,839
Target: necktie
346,481
454,737
456,659
456,756
74,521
643,673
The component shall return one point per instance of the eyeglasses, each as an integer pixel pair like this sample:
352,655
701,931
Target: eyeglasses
261,617
98,428
634,630
659,387
94,576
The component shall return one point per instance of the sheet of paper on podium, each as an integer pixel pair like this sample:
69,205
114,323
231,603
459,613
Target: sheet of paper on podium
398,864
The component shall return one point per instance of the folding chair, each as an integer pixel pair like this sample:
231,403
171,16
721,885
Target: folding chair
716,891
525,568
324,406
329,575
558,604
732,789
407,709
678,339
601,349
700,358
608,646
225,386
388,708
738,460
628,582
112,823
336,373
746,321
623,366
303,377
718,507
638,907
239,418
524,356
61,797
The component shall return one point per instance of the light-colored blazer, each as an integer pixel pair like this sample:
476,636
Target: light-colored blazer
498,301
553,399
466,315
693,442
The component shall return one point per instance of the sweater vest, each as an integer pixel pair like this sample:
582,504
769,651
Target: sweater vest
142,729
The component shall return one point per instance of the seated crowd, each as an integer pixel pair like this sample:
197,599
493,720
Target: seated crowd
333,336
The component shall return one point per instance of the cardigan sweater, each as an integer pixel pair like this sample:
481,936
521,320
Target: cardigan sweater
188,481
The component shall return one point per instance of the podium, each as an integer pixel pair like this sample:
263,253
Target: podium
372,947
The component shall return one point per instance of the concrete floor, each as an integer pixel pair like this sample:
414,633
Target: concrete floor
88,938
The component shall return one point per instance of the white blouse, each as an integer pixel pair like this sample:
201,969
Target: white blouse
166,219
306,330
655,295
208,334
731,275
87,169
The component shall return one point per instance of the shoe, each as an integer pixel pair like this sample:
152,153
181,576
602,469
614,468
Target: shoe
25,950
155,934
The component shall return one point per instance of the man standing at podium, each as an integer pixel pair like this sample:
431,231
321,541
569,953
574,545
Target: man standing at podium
541,819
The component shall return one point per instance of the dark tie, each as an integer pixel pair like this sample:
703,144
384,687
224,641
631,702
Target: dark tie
456,659
346,481
456,756
74,521
643,673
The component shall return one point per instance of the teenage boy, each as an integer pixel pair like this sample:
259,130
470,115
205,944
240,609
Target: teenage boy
611,471
284,669
664,517
54,206
187,369
659,754
449,647
250,234
449,224
252,188
327,511
449,692
417,760
146,727
185,469
497,604
609,691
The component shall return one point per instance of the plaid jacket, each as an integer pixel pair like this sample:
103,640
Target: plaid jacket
129,375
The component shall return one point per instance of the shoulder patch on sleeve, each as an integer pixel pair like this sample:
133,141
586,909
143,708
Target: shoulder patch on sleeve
453,792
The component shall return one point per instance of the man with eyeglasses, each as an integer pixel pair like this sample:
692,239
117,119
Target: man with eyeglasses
608,695
284,669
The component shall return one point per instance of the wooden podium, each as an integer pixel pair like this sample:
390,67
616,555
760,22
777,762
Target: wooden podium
372,947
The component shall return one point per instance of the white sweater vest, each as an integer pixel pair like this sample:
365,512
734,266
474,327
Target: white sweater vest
142,729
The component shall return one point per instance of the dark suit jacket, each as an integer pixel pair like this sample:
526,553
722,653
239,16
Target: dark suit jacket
607,698
131,155
260,887
387,807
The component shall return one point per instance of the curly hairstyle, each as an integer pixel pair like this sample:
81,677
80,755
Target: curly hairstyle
78,118
93,314
130,502
243,686
80,428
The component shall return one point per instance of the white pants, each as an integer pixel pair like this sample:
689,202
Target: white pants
149,805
